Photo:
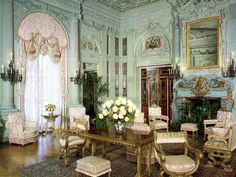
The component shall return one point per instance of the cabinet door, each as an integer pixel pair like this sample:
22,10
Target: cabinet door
144,93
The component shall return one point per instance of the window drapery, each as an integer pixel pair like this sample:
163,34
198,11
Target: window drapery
42,44
42,86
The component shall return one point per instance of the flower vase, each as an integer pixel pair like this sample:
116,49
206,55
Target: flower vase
119,128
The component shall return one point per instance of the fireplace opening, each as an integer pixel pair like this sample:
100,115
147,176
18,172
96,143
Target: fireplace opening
196,110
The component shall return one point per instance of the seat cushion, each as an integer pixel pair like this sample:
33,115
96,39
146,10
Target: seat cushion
29,132
93,165
216,145
81,123
73,140
141,127
222,132
179,163
188,126
160,124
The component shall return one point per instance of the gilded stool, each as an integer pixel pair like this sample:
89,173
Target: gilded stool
189,127
93,166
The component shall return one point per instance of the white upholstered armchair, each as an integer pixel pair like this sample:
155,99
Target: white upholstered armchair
21,131
69,139
219,122
157,121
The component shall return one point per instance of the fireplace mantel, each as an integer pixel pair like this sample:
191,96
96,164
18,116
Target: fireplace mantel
202,87
215,86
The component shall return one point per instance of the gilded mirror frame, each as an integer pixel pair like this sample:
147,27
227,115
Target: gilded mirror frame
218,45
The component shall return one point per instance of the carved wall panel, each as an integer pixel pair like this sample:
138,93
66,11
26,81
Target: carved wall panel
190,10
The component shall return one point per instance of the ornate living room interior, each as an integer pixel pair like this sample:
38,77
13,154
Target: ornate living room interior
117,88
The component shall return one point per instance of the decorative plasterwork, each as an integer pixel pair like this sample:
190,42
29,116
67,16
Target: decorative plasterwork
100,22
195,10
124,5
90,44
216,87
183,3
154,29
24,7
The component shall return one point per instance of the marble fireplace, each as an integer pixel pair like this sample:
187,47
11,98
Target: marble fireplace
198,90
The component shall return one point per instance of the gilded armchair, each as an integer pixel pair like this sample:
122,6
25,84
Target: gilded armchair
21,131
220,145
176,164
69,139
157,121
222,117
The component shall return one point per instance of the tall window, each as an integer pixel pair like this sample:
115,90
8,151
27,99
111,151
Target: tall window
42,55
41,88
116,46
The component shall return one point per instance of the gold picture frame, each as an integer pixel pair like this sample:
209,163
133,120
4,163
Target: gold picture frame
203,43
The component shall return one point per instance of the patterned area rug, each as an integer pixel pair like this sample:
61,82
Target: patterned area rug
120,167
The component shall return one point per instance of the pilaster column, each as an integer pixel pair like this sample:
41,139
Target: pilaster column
7,90
75,92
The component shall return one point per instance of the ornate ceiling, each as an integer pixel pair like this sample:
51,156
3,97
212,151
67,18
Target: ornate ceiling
123,5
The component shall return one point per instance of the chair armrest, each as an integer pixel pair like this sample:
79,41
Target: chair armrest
159,153
163,117
210,122
30,124
197,152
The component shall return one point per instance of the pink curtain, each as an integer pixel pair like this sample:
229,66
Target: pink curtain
41,34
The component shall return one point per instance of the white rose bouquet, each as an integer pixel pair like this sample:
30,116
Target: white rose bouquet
120,111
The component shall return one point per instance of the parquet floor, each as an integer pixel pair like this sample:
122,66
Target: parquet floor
14,157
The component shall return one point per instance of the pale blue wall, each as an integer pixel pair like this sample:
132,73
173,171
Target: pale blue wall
159,18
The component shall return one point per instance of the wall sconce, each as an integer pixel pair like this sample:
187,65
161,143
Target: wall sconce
175,72
229,70
11,73
79,77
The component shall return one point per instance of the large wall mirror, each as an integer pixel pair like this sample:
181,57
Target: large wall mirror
203,43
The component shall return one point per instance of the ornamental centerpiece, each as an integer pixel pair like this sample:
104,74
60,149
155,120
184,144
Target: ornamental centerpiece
50,108
120,113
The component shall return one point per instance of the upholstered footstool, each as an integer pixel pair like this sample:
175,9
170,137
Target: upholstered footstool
190,127
93,166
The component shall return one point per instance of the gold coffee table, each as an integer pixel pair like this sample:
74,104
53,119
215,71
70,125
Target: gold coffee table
50,124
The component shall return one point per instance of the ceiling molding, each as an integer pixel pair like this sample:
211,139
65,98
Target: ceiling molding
124,5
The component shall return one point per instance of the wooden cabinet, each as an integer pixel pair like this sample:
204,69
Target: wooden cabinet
156,89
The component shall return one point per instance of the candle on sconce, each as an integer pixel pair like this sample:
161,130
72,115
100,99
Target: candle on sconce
11,55
232,55
3,68
21,70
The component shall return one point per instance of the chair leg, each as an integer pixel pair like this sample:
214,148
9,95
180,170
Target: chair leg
65,157
109,174
78,174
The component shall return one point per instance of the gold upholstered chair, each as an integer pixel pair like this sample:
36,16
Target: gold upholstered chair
181,164
69,139
220,145
222,117
157,121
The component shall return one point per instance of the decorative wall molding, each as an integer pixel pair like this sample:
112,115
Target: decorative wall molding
194,10
125,5
24,7
100,22
154,29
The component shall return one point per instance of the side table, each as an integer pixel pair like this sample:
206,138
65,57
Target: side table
50,124
190,127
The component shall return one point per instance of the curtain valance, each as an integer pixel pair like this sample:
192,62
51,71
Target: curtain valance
39,33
